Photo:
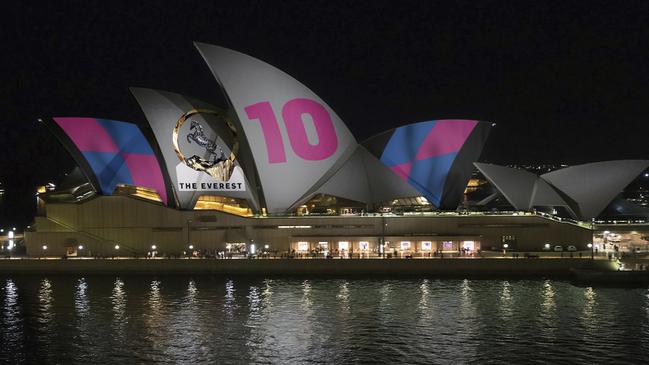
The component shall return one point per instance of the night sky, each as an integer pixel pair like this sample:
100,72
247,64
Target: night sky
564,81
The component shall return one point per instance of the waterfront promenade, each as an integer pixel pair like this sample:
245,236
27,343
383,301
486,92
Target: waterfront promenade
505,267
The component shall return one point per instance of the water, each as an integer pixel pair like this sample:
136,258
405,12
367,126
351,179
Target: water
203,319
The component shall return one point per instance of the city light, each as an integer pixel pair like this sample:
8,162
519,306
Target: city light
44,247
117,247
154,247
505,245
10,234
266,246
252,249
191,247
590,245
81,247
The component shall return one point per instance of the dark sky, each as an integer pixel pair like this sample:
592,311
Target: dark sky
565,81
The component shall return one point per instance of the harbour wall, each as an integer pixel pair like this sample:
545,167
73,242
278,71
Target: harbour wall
452,268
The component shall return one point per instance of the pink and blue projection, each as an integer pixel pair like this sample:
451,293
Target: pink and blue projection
117,152
423,153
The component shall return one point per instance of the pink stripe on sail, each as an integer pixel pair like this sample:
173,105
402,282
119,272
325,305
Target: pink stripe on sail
445,137
87,134
145,172
403,170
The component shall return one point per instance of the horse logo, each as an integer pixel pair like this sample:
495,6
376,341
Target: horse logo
216,164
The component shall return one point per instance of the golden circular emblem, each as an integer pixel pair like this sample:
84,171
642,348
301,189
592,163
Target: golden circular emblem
222,166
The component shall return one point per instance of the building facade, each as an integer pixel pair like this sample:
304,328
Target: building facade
277,170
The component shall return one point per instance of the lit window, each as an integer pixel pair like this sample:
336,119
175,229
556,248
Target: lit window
426,245
303,246
343,245
405,245
468,245
364,245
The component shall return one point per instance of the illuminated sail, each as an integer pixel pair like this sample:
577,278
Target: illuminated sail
294,136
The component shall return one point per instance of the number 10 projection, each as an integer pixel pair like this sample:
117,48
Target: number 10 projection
293,114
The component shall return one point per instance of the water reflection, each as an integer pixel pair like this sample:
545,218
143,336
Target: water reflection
185,327
192,292
81,306
45,303
343,296
179,319
467,308
548,315
425,306
589,317
267,294
254,302
229,305
467,325
506,301
118,301
12,331
306,302
155,299
154,318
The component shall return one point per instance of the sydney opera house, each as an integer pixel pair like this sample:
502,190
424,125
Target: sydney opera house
277,170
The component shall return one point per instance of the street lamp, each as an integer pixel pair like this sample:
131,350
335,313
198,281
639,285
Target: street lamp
117,247
191,247
44,247
592,252
154,247
80,247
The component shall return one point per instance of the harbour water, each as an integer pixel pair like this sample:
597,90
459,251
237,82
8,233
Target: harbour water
209,319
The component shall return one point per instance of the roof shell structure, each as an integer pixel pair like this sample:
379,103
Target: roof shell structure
279,145
584,190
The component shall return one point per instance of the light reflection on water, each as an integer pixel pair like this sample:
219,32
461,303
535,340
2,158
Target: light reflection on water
12,323
548,317
118,300
179,319
45,299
